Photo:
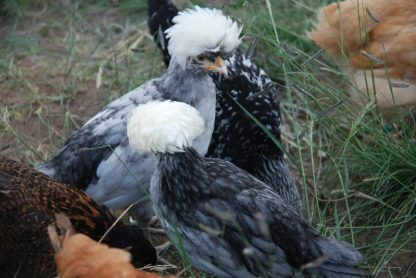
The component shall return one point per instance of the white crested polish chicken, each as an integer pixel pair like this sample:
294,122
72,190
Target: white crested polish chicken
222,219
98,158
377,38
77,255
236,137
29,200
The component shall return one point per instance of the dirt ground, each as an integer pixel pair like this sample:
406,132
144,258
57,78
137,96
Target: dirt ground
54,58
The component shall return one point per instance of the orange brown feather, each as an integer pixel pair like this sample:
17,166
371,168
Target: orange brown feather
29,200
80,256
373,34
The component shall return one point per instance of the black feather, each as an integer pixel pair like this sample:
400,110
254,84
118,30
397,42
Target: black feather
161,13
236,137
233,225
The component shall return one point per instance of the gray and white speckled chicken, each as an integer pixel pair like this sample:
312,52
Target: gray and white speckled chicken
225,221
236,137
98,158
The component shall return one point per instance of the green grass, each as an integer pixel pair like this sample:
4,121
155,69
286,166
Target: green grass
357,171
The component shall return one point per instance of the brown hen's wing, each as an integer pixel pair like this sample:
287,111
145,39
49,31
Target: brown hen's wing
391,44
29,201
345,26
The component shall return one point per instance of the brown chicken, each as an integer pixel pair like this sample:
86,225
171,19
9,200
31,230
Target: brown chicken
378,35
29,200
78,256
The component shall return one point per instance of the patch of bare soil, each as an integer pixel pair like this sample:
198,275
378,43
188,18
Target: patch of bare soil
48,77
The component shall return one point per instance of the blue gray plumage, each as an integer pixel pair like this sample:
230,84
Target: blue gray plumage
236,137
98,158
230,224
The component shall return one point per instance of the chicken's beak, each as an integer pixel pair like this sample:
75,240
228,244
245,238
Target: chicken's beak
218,66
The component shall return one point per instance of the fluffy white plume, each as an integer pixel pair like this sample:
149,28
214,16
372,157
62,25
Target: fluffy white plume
161,127
201,29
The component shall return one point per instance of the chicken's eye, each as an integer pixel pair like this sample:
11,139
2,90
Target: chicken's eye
200,58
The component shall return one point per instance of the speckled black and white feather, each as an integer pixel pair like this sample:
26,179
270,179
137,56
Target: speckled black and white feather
222,219
236,137
98,158
230,224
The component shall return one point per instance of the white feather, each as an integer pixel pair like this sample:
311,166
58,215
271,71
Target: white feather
201,29
162,127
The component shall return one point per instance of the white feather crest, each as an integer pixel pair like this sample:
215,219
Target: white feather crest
201,29
162,127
